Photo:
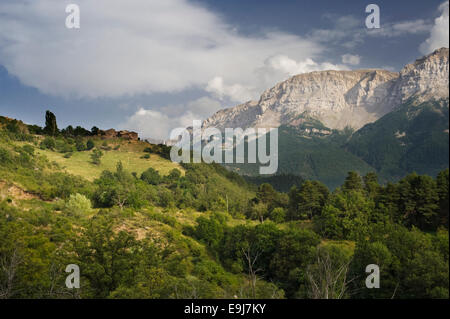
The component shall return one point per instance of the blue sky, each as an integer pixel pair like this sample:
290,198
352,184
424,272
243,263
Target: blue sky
151,66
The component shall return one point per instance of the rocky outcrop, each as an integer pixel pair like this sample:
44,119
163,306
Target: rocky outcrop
341,98
426,78
112,133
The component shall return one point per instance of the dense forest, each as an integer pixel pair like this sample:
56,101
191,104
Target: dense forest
201,231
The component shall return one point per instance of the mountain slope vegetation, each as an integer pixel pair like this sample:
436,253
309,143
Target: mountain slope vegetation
200,231
412,138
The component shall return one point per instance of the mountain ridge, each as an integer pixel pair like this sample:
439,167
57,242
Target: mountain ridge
341,99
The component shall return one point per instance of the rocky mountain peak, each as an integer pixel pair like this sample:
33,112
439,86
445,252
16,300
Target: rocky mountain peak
341,98
426,78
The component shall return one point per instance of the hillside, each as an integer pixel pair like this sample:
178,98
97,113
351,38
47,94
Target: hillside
412,138
311,157
144,227
131,154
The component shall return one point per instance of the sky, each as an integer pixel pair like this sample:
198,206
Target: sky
154,65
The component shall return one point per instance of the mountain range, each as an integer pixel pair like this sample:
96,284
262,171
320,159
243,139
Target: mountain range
332,122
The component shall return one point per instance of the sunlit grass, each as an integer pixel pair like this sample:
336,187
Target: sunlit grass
80,162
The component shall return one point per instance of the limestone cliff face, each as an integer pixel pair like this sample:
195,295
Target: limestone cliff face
425,79
341,98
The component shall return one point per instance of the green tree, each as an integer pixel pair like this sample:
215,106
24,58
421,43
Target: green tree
278,215
419,201
108,259
151,176
308,201
352,182
266,194
209,231
51,128
371,185
78,204
442,181
95,131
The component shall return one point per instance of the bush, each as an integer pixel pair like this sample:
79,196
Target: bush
28,149
96,156
77,205
90,145
48,143
278,215
5,156
63,147
151,176
80,145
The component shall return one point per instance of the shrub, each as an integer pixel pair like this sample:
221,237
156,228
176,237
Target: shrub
90,145
77,204
278,215
96,156
28,149
63,147
151,176
80,145
48,143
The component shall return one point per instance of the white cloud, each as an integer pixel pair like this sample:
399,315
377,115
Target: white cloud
274,69
235,92
402,28
351,59
157,123
439,33
141,47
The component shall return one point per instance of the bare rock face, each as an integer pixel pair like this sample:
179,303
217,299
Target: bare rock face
426,78
341,99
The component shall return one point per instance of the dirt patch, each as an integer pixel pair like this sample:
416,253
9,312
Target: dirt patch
11,190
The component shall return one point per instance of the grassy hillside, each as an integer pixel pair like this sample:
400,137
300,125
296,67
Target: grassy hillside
130,154
140,226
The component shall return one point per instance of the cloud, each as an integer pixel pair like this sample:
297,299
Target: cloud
391,30
439,32
235,92
157,122
346,31
142,47
351,59
274,69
